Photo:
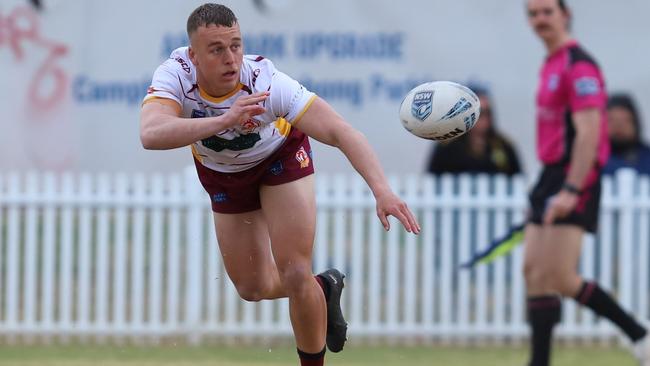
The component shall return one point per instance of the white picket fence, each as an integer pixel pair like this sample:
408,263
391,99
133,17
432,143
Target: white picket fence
135,257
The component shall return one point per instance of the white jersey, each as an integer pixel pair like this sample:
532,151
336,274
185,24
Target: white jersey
244,146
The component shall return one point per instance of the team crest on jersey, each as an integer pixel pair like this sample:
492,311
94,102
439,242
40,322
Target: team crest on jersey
250,125
422,105
302,157
586,86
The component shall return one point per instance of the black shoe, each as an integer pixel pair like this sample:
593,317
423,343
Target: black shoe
337,327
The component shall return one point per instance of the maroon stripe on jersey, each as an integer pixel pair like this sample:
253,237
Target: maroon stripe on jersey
184,94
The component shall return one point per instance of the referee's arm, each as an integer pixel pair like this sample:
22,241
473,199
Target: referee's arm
586,123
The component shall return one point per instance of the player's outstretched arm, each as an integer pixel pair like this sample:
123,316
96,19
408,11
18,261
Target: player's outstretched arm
161,128
322,123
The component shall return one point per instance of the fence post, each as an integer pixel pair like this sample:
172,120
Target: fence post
625,187
194,197
12,289
69,221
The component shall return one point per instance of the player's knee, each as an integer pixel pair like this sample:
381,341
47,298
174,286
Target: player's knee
529,271
250,292
296,278
535,275
564,283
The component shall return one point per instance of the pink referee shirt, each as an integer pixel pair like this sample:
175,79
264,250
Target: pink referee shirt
570,81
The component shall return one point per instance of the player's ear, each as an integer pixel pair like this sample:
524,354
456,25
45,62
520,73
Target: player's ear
190,51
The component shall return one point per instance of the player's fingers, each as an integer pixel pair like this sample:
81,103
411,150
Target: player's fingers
549,215
411,217
256,95
412,221
403,219
384,220
254,109
254,98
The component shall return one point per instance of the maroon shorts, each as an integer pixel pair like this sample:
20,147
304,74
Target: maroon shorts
240,192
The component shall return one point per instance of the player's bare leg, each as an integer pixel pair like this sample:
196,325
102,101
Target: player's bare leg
544,302
551,259
290,211
550,268
246,251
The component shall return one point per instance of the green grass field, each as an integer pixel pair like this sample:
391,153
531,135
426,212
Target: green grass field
283,356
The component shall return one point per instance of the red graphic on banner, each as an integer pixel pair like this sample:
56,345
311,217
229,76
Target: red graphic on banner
23,25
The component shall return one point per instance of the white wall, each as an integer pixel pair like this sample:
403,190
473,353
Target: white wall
120,43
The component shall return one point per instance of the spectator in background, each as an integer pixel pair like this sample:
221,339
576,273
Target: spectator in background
482,150
628,151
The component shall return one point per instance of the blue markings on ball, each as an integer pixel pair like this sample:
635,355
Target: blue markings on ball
422,105
470,121
461,106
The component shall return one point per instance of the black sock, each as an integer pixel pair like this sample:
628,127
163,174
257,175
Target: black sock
543,313
593,297
311,359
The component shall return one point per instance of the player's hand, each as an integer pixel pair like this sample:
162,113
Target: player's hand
560,206
389,204
245,107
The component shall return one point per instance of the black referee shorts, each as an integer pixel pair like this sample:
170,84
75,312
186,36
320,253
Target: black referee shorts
585,215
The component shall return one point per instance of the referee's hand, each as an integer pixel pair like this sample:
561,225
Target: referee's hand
560,206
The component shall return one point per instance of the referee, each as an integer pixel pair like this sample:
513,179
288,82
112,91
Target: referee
573,146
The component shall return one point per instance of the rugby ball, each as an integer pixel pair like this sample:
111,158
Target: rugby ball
439,110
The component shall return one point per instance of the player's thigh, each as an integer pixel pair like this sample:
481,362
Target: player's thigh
533,248
244,244
552,249
290,211
566,242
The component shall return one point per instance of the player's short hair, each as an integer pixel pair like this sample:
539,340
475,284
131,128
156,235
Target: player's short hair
563,6
210,13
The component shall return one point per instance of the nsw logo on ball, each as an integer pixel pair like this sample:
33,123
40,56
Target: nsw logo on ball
422,105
